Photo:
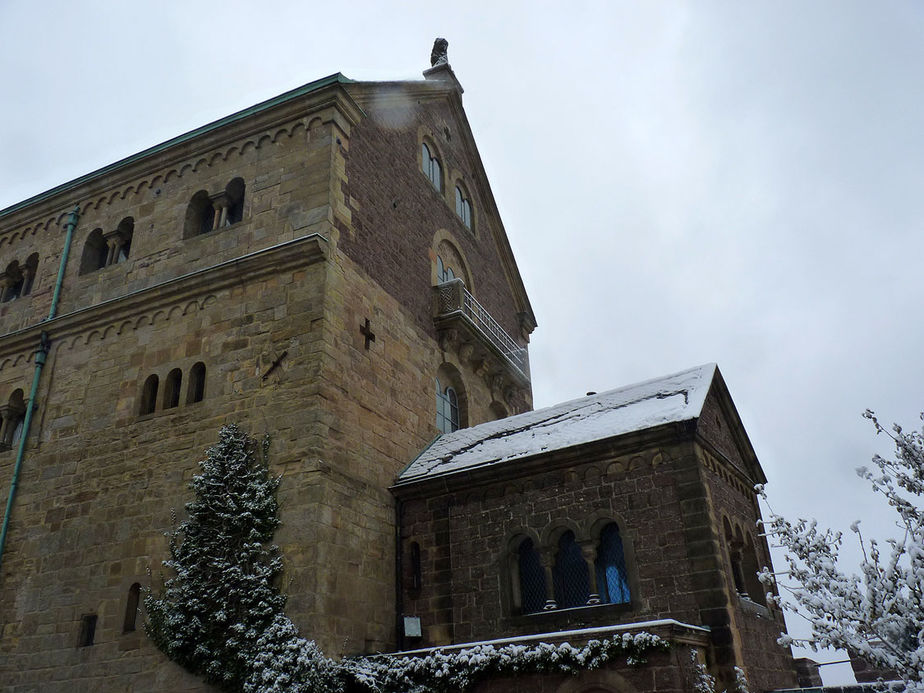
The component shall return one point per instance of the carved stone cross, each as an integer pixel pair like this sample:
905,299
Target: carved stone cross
366,332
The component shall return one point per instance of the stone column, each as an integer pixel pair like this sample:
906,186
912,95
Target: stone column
589,553
113,241
220,203
547,556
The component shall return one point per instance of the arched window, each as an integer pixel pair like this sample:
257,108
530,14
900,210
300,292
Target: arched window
172,388
149,395
612,576
450,262
463,208
123,240
29,271
196,389
87,630
14,419
447,408
570,577
531,578
431,167
234,202
200,215
131,608
13,282
444,273
734,554
750,567
95,252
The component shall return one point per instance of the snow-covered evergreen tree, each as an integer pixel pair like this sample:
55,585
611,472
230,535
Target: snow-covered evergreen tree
878,614
210,615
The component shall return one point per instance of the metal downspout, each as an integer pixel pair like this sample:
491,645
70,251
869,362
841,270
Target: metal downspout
40,355
399,577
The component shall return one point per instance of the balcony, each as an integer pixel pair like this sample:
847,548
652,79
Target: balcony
456,308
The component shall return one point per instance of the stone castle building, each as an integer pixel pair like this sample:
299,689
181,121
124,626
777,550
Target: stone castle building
329,267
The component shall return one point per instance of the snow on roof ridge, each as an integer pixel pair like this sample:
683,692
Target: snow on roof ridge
622,410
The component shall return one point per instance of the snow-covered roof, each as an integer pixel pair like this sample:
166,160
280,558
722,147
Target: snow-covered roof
673,398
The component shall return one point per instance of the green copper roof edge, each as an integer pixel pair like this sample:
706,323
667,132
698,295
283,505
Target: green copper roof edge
336,78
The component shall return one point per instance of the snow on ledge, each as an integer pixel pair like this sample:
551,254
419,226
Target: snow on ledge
557,634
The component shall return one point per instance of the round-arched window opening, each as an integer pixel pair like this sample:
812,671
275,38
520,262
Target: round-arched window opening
447,408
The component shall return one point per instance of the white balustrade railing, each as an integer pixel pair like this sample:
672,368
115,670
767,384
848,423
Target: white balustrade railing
455,298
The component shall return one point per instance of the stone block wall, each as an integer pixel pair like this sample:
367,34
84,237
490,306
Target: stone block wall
283,158
466,536
273,309
100,480
397,213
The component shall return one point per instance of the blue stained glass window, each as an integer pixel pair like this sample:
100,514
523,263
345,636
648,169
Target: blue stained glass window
612,578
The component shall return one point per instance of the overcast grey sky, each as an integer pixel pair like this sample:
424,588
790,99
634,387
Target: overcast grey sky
681,183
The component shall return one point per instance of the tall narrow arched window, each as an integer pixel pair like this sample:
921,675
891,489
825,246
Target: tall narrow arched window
234,199
431,167
447,408
569,576
172,388
463,208
131,608
749,565
87,630
123,239
612,576
95,252
734,555
531,578
149,395
15,419
195,391
29,271
13,282
200,215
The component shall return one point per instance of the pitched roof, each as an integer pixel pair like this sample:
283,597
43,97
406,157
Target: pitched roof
670,399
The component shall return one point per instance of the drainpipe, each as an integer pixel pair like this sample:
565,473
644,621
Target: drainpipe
399,577
40,355
69,226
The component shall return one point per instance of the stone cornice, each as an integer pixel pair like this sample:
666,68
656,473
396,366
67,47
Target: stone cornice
327,100
130,310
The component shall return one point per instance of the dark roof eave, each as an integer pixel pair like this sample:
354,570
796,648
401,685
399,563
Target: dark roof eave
677,431
336,78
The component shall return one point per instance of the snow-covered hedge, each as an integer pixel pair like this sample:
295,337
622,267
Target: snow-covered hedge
445,672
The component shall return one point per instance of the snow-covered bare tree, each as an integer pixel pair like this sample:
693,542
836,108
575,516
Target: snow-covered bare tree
210,615
878,614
